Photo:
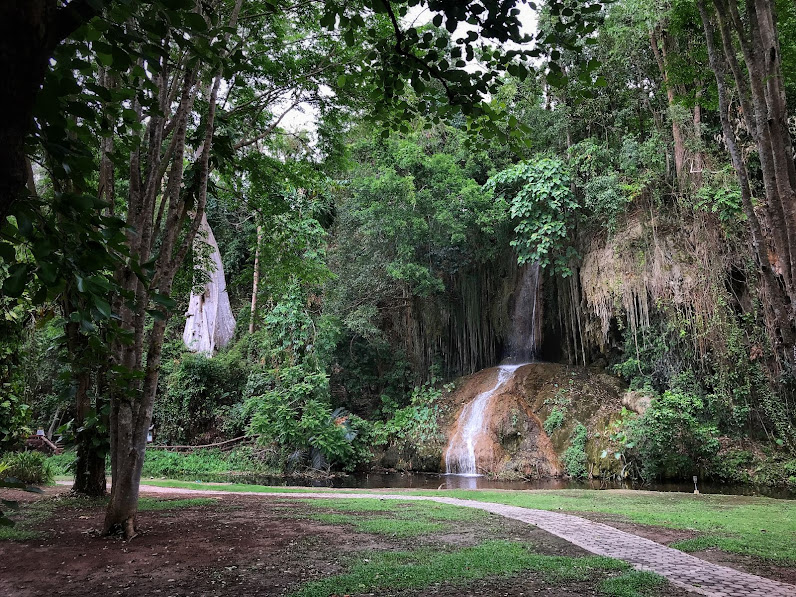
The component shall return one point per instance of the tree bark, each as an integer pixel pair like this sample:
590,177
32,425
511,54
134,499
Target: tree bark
256,282
778,305
90,462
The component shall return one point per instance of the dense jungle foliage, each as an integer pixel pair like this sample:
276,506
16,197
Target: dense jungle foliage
372,251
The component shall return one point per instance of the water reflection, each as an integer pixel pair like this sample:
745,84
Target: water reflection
444,481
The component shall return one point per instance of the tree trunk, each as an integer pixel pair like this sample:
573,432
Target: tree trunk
209,323
90,462
256,282
659,50
779,318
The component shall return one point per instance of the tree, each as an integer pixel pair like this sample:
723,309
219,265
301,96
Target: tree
760,90
137,90
29,34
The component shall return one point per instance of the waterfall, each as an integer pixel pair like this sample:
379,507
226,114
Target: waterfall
460,455
522,348
524,338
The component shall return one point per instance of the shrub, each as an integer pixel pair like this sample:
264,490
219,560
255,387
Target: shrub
63,464
575,458
416,423
205,465
675,437
554,420
297,417
29,467
199,392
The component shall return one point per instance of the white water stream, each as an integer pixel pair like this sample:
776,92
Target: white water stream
522,347
460,455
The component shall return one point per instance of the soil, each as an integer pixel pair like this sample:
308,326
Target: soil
241,545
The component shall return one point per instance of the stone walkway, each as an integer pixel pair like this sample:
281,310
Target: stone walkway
683,570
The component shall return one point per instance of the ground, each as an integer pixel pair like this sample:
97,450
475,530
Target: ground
245,545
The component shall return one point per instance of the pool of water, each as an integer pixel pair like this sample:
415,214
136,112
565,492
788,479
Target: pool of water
440,481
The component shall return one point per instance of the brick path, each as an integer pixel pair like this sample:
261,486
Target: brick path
683,570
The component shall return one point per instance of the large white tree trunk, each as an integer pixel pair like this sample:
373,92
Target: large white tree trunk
209,322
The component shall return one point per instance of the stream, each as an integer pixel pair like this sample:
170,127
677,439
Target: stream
446,481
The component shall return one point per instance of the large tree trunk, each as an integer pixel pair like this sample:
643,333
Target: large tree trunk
90,462
209,323
778,318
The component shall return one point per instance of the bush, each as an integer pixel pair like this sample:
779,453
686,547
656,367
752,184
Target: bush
297,417
554,420
199,393
416,423
575,458
63,464
29,467
675,437
204,465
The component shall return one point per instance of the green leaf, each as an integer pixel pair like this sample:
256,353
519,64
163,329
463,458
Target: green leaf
7,252
14,285
102,306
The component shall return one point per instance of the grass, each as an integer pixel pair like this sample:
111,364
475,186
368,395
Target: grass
210,465
426,567
632,584
755,526
150,504
760,527
392,517
31,514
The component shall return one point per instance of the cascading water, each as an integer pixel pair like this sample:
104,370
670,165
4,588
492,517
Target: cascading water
522,348
460,455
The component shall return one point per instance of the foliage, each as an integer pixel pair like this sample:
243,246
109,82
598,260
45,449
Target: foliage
417,423
29,467
675,437
554,420
544,208
296,416
206,465
575,459
14,411
198,392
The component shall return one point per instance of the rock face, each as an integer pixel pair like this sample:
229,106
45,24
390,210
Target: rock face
636,401
514,443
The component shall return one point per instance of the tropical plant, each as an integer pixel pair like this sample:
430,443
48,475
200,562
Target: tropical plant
543,206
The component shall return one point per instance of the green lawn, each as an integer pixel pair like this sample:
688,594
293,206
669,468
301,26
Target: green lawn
392,517
757,526
425,567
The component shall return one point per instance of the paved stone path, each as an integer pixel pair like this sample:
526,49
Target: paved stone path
683,570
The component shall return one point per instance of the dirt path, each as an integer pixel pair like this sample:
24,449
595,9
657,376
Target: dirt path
688,572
